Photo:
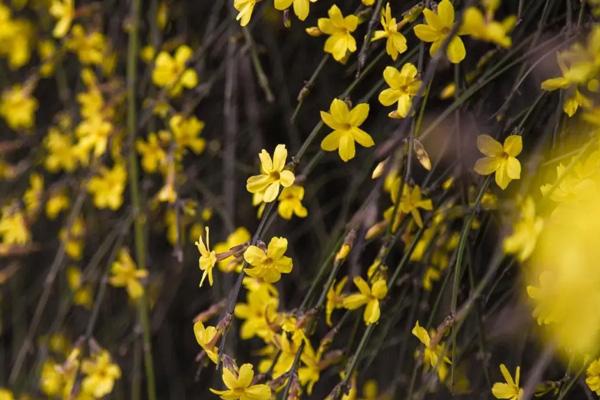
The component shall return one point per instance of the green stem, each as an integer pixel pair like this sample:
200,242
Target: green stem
140,245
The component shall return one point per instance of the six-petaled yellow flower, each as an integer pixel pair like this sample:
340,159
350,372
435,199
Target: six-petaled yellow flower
436,30
268,264
395,41
369,297
403,86
500,158
239,385
339,28
273,175
345,124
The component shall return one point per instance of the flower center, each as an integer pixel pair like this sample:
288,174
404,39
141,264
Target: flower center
275,175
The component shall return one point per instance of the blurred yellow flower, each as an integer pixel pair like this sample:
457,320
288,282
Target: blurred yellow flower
153,155
185,132
592,378
13,226
484,27
526,230
261,305
273,175
509,390
270,264
369,296
345,124
395,41
339,28
172,73
403,86
335,298
239,385
64,12
500,159
100,374
18,107
124,273
437,28
107,187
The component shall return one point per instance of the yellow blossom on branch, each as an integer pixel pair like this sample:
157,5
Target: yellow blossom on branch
18,107
339,28
172,73
436,30
592,378
107,187
273,175
500,158
403,86
239,385
205,336
290,202
509,390
369,297
484,27
100,374
395,41
345,124
245,9
208,258
232,263
270,264
64,12
434,354
124,273
525,233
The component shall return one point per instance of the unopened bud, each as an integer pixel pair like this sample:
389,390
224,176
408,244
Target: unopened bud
313,31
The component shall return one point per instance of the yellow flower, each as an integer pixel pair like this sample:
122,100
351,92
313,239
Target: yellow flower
345,124
185,132
410,202
592,378
231,263
290,202
207,259
339,28
101,374
82,293
13,227
206,339
437,28
90,48
484,27
261,305
64,12
239,385
124,273
57,202
62,154
73,238
310,372
18,107
509,390
153,155
273,175
301,7
403,86
107,187
369,296
6,394
500,159
525,233
335,299
244,8
172,72
434,355
33,195
395,41
270,264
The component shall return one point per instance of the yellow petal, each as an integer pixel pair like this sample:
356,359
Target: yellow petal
489,146
513,145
